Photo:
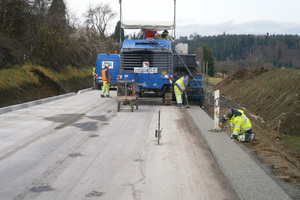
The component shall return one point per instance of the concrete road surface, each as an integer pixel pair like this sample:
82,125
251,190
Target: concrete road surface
80,147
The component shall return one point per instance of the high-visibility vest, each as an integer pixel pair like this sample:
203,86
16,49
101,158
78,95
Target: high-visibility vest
168,37
104,78
240,124
182,83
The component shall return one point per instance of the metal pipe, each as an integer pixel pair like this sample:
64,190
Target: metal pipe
120,1
174,19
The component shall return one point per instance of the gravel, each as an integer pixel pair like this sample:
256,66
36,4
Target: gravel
247,179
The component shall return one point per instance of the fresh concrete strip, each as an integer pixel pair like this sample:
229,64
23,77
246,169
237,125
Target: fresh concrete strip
85,90
248,180
33,103
41,101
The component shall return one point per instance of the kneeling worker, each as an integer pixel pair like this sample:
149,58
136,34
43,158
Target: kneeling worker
240,124
179,87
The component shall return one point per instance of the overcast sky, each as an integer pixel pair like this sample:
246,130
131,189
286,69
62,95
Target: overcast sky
207,17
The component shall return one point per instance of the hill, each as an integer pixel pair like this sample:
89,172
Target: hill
271,94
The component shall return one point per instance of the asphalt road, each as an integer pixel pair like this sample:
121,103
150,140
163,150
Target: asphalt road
80,147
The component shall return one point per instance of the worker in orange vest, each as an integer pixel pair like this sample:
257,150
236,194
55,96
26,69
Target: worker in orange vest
106,81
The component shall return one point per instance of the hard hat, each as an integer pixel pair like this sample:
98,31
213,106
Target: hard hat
165,31
106,65
229,114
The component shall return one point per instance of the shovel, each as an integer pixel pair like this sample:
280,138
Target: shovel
186,99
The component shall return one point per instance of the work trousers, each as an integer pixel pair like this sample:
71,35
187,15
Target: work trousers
178,95
246,137
105,87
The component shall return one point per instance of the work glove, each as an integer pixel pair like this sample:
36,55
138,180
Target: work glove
223,119
221,124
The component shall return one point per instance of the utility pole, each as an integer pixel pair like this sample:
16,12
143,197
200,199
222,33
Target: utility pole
120,1
174,19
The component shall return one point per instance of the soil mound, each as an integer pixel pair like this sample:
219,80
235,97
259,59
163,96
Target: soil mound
274,95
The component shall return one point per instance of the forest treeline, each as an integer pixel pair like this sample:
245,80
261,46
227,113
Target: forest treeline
43,32
274,50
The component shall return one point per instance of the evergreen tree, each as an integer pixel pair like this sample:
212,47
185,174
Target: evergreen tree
207,57
116,34
57,14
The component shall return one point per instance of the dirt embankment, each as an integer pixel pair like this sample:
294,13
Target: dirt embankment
272,95
268,96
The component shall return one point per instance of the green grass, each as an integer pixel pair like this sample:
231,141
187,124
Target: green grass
20,75
293,142
214,81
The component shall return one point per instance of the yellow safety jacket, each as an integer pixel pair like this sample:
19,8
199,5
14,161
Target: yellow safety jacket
105,75
168,37
240,124
182,83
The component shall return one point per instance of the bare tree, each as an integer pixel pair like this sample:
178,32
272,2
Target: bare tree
98,17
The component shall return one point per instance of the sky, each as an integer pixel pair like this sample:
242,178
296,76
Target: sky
205,17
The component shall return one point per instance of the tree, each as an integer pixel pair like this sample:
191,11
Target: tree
207,57
116,34
12,15
57,14
97,18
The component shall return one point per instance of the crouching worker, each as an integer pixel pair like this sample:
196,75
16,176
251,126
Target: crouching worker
240,125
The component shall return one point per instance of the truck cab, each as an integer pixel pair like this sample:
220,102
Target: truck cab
114,62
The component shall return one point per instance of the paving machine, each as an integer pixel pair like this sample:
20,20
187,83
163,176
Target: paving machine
155,64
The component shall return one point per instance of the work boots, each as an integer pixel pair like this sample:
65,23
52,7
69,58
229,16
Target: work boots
252,136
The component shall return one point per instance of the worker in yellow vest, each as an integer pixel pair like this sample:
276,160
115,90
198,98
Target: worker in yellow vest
240,125
106,81
165,36
179,87
94,74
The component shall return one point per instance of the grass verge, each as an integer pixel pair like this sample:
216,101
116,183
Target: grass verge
19,75
292,141
214,81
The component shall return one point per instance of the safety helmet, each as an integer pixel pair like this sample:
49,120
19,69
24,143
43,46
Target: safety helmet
229,114
106,65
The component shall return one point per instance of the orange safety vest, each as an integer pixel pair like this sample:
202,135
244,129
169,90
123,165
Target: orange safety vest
104,78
